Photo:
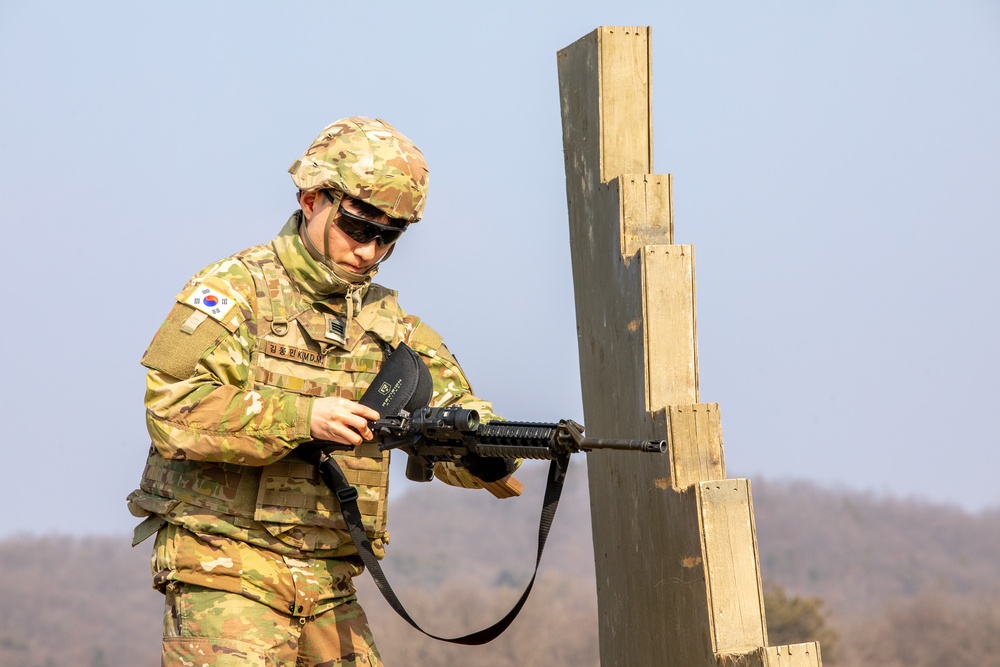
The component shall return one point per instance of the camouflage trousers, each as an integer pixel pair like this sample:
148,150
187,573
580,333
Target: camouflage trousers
203,627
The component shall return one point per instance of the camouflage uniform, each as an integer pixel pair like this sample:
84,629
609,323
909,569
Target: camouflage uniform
251,549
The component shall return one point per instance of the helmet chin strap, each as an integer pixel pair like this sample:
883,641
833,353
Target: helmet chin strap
386,255
325,255
329,223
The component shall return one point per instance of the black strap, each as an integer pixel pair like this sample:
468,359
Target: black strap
348,497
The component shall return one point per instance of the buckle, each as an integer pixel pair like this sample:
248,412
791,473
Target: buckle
348,495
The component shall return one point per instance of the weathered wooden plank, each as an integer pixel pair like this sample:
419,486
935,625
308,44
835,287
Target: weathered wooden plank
706,586
755,658
695,444
736,595
646,212
794,655
626,118
671,341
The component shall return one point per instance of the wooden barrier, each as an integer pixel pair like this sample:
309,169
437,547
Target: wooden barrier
678,577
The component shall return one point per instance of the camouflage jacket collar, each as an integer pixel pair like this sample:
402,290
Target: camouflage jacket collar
313,278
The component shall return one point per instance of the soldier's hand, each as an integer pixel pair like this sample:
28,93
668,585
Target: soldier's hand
340,420
488,469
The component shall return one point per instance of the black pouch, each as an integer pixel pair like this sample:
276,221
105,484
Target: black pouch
403,383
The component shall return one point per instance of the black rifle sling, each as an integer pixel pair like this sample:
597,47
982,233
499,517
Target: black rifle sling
348,497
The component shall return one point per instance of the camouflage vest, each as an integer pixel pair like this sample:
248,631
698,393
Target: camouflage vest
309,350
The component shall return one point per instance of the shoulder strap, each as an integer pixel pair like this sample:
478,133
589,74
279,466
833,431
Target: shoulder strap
348,497
275,295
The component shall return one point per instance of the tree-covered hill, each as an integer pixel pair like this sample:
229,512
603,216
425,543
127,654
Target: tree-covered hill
901,582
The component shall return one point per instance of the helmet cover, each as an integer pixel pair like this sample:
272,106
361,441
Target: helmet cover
369,160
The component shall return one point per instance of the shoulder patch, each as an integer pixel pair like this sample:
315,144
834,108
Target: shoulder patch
216,299
212,302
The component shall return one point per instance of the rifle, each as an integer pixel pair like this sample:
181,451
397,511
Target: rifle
400,393
432,435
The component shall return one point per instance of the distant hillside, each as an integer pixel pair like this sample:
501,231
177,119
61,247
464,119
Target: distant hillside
904,583
71,601
858,551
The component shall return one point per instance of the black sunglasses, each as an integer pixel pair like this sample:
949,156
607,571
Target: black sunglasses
364,230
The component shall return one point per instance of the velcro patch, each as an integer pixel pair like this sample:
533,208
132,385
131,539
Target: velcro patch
175,350
283,351
336,328
425,340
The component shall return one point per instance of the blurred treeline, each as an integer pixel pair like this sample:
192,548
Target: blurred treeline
878,581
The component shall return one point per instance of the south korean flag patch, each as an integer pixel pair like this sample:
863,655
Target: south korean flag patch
210,301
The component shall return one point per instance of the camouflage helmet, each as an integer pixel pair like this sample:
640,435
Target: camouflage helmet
370,160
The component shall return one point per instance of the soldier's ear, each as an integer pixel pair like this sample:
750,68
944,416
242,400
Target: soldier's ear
308,201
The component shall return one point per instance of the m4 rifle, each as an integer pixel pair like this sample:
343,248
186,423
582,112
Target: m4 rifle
456,435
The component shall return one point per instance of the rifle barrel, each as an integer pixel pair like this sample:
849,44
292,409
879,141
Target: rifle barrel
590,444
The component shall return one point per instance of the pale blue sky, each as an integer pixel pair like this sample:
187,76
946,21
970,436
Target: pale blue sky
835,166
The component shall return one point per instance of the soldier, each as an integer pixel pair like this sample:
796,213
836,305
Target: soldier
264,351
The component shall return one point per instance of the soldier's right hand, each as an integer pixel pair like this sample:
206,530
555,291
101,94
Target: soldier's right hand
341,420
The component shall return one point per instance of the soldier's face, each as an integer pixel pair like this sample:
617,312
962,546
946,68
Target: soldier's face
344,251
